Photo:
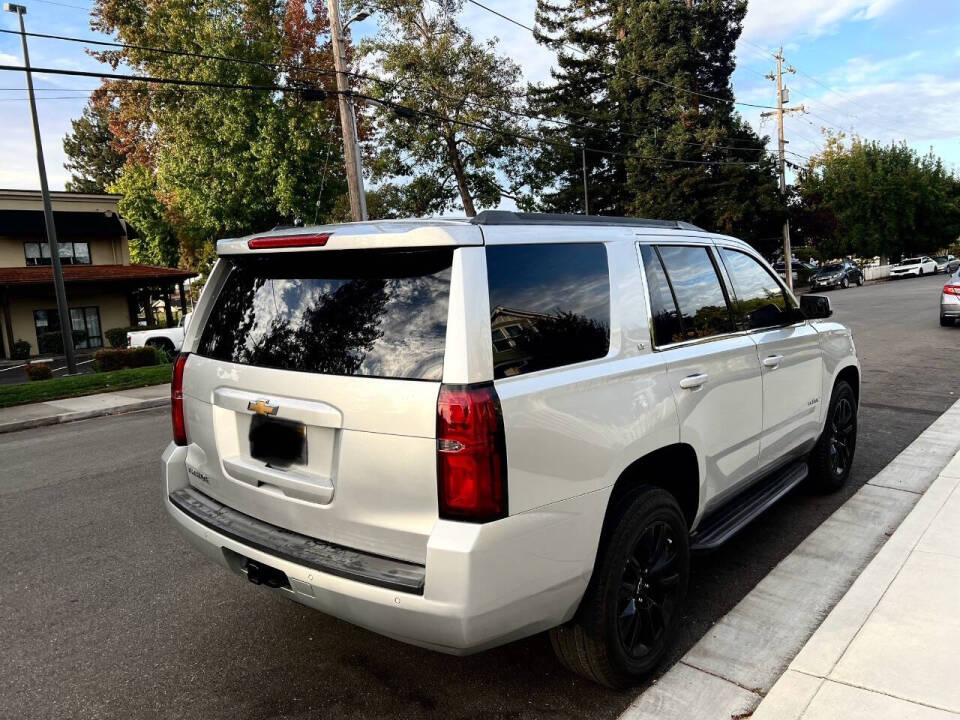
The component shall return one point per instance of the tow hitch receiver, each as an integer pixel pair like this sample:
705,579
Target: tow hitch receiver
260,574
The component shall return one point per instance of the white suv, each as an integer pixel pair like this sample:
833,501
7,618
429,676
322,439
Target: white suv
459,433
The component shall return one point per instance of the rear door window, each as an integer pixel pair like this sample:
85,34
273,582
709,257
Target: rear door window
380,313
549,305
696,286
663,307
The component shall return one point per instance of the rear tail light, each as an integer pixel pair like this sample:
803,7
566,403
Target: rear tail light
272,242
471,454
951,289
176,400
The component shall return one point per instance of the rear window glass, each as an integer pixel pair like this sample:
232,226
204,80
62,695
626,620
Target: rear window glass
549,305
381,314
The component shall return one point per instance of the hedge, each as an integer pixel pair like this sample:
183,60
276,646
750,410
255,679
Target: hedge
41,371
118,358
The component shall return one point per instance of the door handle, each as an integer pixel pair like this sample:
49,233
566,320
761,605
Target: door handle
693,382
772,361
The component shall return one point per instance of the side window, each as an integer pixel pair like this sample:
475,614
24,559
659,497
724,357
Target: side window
761,302
549,305
663,309
703,306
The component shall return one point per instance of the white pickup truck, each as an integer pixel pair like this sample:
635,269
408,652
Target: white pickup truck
167,339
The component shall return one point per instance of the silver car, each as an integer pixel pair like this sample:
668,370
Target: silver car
950,300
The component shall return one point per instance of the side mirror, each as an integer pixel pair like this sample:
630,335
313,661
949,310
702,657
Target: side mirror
815,307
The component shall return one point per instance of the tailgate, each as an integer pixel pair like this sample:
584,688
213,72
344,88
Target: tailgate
311,395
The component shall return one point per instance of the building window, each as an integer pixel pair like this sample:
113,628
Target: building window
84,321
71,253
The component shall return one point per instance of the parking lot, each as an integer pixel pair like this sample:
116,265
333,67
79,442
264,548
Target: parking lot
108,613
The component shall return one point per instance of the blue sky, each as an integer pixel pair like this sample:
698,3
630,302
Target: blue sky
884,69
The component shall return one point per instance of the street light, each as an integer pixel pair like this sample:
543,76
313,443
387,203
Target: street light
363,14
66,328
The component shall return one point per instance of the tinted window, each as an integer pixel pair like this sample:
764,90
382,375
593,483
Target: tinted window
760,301
339,313
549,305
666,319
703,307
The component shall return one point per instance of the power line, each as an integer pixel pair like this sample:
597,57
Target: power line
68,5
575,49
364,76
401,110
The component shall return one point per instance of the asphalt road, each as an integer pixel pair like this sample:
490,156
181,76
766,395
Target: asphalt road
106,612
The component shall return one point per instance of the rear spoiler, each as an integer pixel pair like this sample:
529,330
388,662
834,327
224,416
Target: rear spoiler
356,236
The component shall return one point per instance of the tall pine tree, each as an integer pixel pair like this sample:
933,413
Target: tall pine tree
696,159
579,103
651,79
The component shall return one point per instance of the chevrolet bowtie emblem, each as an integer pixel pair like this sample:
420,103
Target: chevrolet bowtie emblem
262,407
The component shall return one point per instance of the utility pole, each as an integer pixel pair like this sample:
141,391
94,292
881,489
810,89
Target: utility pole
783,95
348,120
66,328
586,197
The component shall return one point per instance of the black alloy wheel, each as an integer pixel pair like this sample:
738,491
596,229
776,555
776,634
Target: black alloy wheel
630,614
842,429
832,457
649,592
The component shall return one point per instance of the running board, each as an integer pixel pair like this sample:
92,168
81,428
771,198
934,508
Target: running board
730,519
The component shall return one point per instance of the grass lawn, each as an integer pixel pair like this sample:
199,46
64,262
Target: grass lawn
65,387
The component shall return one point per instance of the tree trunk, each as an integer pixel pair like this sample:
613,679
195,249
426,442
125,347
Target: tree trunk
461,176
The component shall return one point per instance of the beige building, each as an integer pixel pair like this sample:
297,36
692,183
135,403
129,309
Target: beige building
104,289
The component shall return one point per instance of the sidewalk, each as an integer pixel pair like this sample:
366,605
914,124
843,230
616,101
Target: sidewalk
891,647
22,417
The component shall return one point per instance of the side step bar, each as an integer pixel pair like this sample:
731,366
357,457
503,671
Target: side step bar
724,523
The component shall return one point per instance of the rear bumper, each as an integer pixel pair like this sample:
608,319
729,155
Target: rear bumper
949,305
483,584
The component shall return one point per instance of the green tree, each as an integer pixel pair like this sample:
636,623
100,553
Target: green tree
580,112
440,155
204,163
863,198
93,161
696,159
650,80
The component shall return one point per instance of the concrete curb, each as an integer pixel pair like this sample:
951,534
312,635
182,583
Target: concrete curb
815,664
744,654
82,415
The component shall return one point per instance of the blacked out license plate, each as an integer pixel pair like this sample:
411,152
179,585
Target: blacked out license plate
279,443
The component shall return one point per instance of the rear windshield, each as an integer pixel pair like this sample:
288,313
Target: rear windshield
381,314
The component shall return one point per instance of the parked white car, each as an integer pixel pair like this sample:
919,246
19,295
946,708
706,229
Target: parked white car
916,266
462,432
170,340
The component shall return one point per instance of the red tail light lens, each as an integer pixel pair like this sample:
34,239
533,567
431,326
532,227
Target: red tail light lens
176,400
272,242
471,454
951,289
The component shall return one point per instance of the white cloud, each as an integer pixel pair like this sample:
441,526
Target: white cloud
776,21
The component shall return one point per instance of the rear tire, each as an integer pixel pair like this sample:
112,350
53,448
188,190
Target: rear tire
832,457
946,321
629,615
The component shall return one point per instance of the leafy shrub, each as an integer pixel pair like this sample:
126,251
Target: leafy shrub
118,336
118,358
41,371
21,350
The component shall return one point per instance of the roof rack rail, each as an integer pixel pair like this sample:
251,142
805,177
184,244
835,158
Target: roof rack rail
507,217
